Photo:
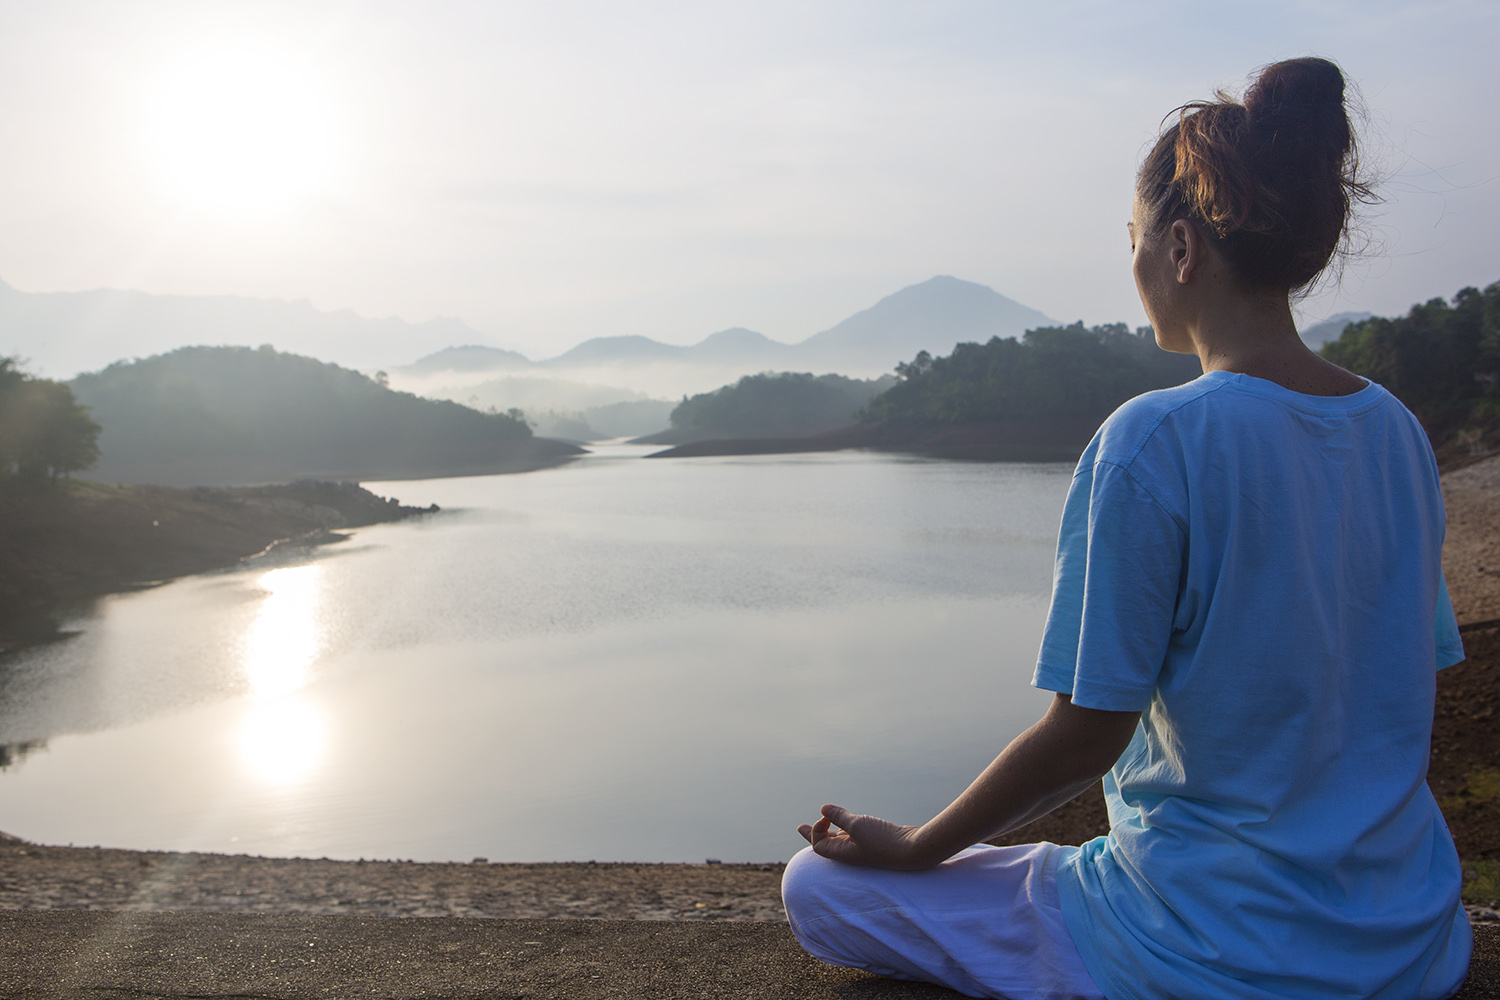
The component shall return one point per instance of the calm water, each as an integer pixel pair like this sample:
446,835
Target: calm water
617,660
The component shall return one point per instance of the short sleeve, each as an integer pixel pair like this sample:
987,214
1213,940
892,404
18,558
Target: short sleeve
1114,595
1450,648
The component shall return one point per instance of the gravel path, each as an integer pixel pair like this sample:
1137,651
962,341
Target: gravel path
1471,553
45,878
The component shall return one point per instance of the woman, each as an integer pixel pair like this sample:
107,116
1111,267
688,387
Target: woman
1247,619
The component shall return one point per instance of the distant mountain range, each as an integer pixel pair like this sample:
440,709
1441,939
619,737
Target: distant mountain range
931,316
61,334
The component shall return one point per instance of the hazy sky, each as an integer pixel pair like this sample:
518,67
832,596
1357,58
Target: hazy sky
551,171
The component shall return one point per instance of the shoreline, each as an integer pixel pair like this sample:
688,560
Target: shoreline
38,877
1061,440
1463,777
74,543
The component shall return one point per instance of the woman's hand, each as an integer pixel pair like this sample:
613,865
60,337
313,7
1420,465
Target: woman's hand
866,840
1064,753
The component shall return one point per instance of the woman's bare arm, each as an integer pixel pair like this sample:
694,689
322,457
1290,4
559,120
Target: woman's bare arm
1062,754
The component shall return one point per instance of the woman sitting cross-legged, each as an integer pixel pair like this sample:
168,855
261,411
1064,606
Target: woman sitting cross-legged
1247,619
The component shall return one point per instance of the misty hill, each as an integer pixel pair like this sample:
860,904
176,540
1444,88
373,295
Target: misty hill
786,404
216,416
740,346
736,346
617,350
64,333
932,316
1330,329
559,408
468,358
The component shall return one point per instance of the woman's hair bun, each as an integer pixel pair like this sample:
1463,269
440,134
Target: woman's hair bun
1295,89
1273,178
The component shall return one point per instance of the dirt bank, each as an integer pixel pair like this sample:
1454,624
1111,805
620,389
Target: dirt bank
78,540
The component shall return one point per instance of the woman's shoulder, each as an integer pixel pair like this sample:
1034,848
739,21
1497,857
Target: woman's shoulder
1138,421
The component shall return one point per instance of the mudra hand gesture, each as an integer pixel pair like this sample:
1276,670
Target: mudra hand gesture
866,840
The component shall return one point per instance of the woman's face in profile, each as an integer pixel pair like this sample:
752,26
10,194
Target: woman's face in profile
1156,283
1145,281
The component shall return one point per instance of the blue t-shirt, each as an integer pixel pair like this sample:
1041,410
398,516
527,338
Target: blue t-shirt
1258,572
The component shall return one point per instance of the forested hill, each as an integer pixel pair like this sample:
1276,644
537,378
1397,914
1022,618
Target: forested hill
231,415
1443,361
1072,373
771,405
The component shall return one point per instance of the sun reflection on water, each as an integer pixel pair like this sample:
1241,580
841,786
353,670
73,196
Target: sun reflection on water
281,741
282,737
282,642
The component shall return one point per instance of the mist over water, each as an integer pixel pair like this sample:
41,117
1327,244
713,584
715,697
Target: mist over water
614,660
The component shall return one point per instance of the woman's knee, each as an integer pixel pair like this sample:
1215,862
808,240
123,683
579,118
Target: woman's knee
800,881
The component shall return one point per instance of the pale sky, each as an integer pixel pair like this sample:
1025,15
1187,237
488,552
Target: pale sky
553,171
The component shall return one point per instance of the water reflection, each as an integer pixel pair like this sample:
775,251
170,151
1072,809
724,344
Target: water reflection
282,642
281,741
623,661
282,737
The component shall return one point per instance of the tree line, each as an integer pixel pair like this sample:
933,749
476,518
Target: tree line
44,432
1441,359
777,404
1050,372
225,415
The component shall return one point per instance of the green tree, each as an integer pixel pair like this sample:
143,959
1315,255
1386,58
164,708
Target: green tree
1441,360
44,432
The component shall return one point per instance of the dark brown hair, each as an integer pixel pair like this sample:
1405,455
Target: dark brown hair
1272,179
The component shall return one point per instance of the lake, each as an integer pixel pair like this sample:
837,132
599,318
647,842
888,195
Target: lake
617,659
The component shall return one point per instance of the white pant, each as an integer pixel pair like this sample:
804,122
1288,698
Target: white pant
986,922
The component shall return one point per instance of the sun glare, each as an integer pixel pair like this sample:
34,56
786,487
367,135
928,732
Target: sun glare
241,132
282,642
282,741
282,736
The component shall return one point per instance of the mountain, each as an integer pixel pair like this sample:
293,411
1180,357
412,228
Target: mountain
932,316
1320,333
740,346
617,350
468,358
63,333
220,416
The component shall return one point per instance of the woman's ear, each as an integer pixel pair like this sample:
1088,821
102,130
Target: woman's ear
1188,249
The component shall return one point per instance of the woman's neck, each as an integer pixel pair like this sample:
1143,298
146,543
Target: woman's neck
1255,334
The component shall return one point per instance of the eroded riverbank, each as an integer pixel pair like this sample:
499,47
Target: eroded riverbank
79,539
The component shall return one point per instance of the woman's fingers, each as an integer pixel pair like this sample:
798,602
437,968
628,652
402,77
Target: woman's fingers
837,815
832,816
